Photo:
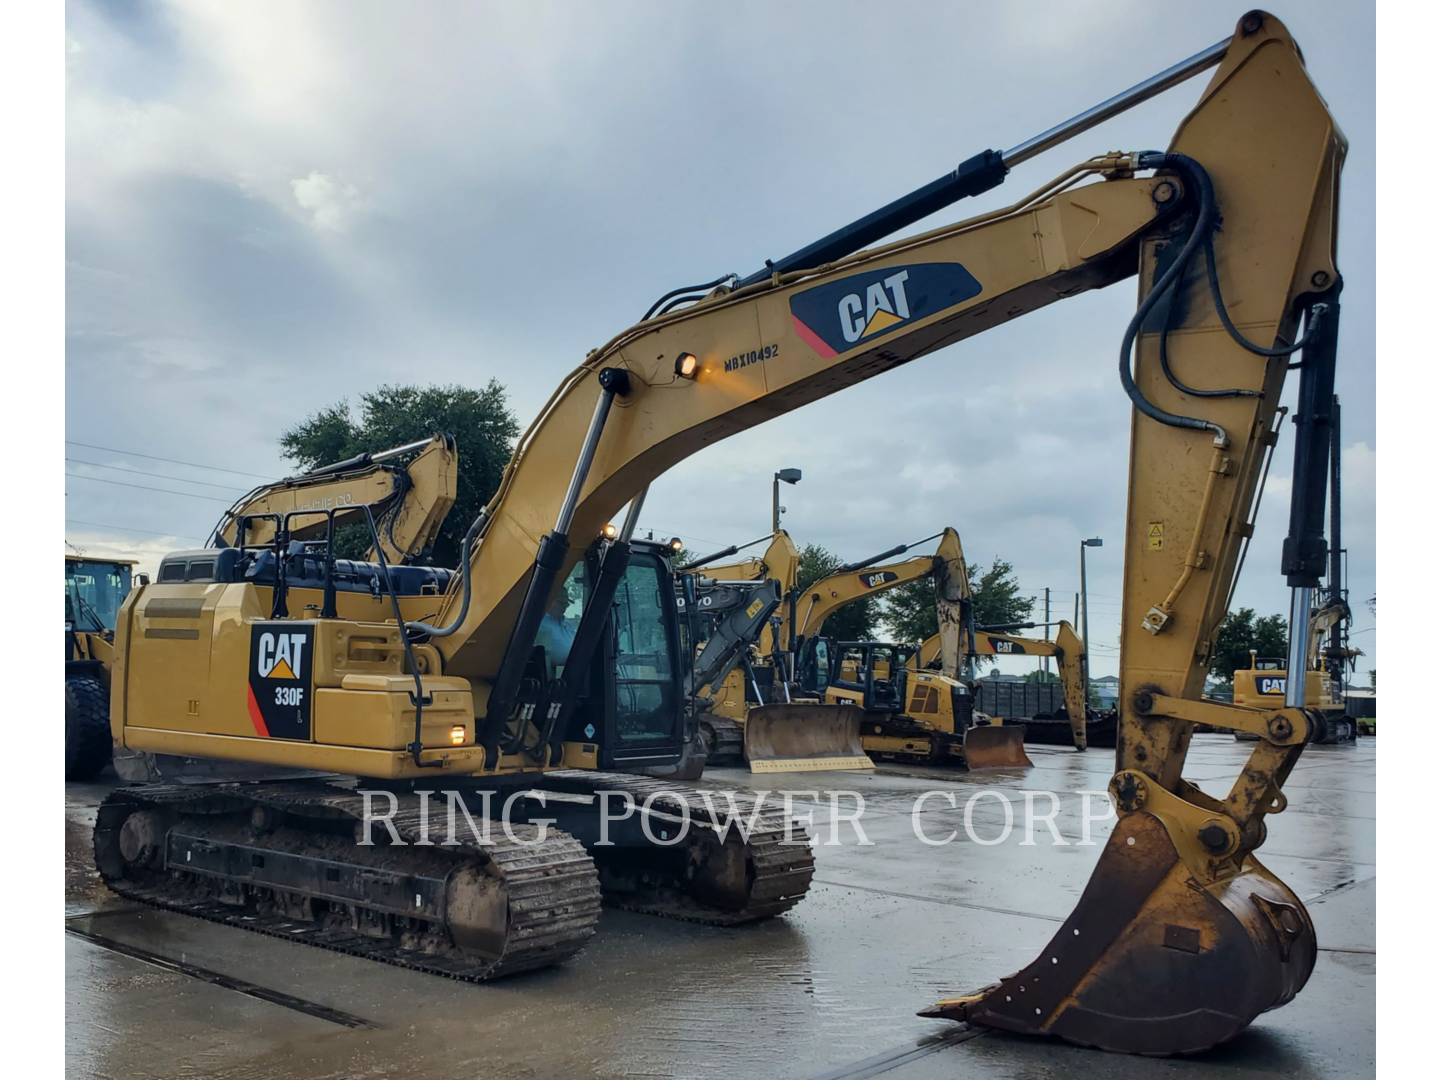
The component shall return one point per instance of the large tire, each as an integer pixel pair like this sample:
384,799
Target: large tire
87,727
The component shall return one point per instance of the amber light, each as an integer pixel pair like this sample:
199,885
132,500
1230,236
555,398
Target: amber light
457,735
687,366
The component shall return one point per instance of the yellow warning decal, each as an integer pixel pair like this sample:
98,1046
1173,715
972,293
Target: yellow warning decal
1155,536
754,608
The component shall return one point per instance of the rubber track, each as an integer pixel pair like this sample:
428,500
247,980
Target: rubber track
779,873
552,886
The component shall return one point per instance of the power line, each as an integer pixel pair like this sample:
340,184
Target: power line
122,528
157,476
144,487
172,461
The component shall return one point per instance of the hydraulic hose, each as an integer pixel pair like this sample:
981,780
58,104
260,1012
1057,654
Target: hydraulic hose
1199,182
425,629
684,292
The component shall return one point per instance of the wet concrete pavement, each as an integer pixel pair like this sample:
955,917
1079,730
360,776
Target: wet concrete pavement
829,989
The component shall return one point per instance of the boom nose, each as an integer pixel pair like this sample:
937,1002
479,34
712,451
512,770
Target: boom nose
1152,961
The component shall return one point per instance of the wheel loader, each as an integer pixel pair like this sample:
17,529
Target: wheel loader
94,591
281,657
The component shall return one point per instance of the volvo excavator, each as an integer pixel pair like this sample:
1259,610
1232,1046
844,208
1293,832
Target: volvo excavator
1181,937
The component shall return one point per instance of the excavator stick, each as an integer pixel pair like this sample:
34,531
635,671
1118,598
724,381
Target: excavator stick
1152,961
804,737
1182,938
996,746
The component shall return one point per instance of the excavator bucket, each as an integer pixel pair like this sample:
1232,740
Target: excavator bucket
804,737
996,746
1150,961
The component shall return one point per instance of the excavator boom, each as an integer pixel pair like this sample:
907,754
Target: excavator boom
409,501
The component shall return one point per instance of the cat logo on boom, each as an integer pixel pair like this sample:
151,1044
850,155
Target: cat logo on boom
279,693
842,314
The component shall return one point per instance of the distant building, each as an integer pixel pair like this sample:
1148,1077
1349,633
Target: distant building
1106,690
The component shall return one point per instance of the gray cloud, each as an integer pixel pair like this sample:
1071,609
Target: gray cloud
273,205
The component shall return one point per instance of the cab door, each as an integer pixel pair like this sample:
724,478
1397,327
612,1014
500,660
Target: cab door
644,707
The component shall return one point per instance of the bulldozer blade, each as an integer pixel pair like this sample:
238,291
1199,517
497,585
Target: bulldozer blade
804,738
1152,961
996,746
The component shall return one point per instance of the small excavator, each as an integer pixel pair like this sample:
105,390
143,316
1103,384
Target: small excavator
1181,937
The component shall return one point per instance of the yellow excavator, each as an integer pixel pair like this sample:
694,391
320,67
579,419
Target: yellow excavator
1180,938
407,489
1070,660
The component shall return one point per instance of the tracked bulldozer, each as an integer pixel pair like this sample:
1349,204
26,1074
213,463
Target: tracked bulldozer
743,718
551,656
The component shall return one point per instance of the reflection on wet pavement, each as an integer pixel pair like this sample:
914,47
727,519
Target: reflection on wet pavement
831,988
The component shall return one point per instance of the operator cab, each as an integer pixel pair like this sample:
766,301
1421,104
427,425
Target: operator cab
873,672
94,591
632,706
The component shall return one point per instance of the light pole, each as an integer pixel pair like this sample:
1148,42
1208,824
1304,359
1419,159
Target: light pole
1094,541
790,476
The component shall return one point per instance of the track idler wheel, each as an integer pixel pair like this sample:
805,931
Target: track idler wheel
1153,962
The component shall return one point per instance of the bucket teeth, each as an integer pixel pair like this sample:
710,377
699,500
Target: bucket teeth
1152,961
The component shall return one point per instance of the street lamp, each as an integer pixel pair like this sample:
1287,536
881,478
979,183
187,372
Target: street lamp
1094,541
790,476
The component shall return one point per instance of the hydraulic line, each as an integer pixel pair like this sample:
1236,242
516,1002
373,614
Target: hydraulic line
425,629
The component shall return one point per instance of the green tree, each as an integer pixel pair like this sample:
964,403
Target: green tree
853,622
1372,678
1242,631
910,609
484,428
1042,677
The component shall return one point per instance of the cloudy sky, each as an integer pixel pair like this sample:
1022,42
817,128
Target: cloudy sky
275,205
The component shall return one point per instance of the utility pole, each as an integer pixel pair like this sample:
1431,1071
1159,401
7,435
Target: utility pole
1094,541
1045,660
